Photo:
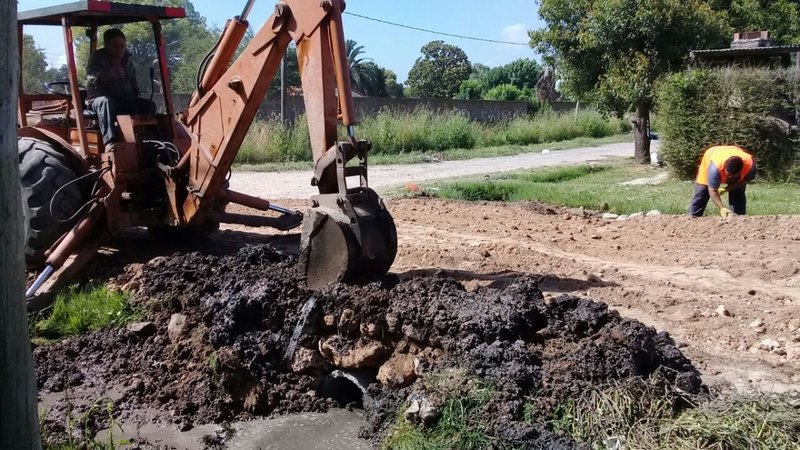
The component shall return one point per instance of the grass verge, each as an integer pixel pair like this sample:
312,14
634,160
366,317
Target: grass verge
79,310
637,414
599,187
461,425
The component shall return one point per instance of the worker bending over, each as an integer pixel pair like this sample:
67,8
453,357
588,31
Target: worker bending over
111,85
723,164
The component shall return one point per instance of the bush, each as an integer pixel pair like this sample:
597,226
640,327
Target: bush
505,92
751,108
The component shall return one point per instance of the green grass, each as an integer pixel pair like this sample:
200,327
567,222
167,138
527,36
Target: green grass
599,187
461,425
407,137
647,415
80,310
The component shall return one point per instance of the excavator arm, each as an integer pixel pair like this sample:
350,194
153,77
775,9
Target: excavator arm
347,231
348,234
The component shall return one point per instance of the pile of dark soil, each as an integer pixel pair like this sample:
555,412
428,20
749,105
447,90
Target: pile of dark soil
214,345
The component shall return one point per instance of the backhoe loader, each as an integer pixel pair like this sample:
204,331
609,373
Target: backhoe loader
169,171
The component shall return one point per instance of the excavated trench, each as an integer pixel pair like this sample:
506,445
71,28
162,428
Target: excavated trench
236,337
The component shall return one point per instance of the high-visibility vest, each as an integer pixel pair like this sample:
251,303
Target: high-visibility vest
717,156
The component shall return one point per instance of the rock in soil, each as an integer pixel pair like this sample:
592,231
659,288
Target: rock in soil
229,365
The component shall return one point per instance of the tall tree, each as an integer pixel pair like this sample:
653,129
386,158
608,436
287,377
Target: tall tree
439,72
292,73
611,52
366,77
34,65
522,73
393,88
780,17
19,425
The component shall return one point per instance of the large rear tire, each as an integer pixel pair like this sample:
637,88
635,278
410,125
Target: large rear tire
43,171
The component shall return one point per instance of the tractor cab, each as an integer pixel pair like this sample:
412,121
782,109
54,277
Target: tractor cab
61,112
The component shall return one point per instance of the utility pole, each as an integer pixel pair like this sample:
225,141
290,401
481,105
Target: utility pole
19,423
283,90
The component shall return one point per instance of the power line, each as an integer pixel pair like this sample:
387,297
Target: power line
460,36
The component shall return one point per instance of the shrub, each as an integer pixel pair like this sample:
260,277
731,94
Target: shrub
505,92
751,108
592,124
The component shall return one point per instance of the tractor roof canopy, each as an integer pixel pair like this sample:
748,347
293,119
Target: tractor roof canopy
93,12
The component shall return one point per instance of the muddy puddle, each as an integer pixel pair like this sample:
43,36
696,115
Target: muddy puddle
240,337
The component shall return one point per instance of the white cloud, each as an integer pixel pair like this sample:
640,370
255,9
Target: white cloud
514,33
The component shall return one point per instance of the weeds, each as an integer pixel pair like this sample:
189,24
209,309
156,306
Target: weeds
400,133
79,431
639,414
80,310
462,424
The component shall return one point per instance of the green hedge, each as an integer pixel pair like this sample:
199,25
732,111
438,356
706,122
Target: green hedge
752,108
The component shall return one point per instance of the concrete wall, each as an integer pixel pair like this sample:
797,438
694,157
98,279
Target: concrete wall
483,111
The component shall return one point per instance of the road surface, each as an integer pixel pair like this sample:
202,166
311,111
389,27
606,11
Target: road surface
296,184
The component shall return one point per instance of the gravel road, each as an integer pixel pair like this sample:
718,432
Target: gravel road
296,184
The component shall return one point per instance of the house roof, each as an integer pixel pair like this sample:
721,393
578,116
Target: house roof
759,51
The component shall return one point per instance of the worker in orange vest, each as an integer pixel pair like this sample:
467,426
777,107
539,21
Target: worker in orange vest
723,164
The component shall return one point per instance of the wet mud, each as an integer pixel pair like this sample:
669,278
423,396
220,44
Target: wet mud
234,337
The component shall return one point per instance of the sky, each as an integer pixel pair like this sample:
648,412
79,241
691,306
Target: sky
391,47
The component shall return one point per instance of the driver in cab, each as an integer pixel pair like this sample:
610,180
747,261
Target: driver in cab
111,85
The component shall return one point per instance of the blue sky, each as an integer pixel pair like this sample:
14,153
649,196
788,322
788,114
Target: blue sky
391,47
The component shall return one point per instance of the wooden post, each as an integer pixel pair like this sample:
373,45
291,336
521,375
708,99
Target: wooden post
19,424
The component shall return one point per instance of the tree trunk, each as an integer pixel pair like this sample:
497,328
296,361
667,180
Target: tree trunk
641,133
19,423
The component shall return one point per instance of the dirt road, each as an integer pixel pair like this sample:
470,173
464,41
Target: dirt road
296,184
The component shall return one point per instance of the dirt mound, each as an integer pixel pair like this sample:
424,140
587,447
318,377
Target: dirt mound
238,336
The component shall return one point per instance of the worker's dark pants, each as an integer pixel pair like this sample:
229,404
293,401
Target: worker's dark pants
736,199
108,108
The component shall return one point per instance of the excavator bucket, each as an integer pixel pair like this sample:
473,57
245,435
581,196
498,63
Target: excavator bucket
347,238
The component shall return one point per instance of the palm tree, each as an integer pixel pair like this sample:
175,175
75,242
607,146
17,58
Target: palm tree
365,75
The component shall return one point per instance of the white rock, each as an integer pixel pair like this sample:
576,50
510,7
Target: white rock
636,215
758,323
653,213
177,323
412,412
623,218
793,352
610,216
546,151
769,345
723,311
428,412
